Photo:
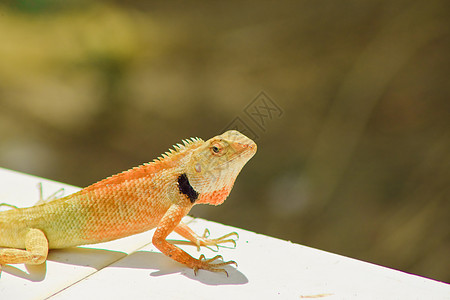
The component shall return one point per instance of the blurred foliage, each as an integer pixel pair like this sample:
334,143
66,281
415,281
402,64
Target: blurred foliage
358,164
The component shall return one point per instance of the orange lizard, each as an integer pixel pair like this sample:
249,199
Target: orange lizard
156,194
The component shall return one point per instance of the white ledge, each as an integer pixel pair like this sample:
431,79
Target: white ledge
132,268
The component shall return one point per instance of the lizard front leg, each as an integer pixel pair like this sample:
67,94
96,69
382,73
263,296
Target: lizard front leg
36,252
168,223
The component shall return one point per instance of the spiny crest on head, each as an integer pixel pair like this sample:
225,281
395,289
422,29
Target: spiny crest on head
179,148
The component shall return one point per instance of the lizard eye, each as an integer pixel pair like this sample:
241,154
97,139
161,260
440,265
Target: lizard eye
216,149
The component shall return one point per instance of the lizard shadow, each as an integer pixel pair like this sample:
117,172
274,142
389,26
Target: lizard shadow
35,272
101,258
161,264
165,266
85,257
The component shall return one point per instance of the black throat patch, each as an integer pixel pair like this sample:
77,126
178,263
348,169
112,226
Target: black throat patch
186,188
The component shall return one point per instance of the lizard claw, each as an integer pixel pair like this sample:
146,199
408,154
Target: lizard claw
205,241
206,233
207,264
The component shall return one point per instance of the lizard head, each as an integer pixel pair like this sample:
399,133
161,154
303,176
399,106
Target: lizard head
214,166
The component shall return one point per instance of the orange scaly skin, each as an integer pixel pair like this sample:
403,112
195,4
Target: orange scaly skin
158,194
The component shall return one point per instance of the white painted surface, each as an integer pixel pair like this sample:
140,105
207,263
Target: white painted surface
132,268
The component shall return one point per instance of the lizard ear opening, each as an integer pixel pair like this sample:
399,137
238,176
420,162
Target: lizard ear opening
198,167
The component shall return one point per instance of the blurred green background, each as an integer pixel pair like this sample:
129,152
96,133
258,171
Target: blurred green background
353,152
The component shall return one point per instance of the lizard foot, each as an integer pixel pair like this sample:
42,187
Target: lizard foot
208,264
205,241
58,194
9,205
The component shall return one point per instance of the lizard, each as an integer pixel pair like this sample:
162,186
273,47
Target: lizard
157,194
